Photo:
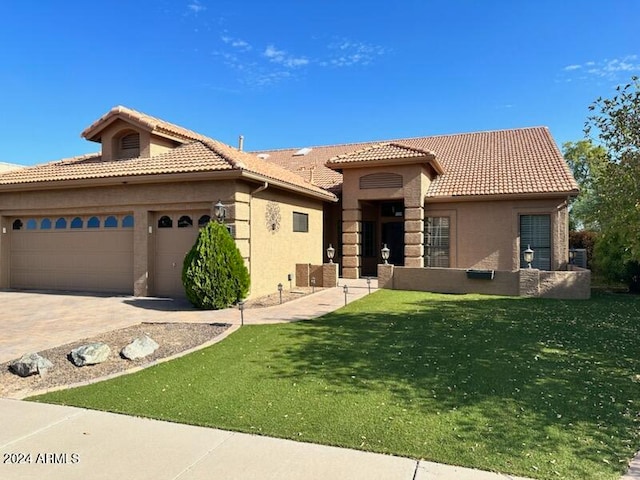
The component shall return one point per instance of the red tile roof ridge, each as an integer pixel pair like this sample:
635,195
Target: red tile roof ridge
149,121
401,139
375,146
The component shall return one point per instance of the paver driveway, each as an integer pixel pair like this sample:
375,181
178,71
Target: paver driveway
35,321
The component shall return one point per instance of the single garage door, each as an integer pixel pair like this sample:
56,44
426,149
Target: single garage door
78,253
176,233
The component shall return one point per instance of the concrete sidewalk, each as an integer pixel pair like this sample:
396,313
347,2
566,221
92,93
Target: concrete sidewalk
66,443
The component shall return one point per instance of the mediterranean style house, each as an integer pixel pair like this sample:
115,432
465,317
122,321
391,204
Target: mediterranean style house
121,220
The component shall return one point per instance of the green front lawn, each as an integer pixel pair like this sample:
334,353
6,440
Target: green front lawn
539,388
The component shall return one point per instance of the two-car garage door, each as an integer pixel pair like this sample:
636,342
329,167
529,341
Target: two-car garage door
78,253
94,253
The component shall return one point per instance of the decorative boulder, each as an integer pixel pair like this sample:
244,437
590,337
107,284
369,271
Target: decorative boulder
30,364
139,348
90,354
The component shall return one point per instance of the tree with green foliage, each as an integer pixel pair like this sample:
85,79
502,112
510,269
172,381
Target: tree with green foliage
214,274
616,184
586,161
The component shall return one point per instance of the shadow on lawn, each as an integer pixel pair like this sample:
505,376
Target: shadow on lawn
534,366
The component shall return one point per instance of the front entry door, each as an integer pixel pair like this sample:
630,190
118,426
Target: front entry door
393,236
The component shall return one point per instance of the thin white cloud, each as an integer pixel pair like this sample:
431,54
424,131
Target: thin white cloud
236,43
281,57
608,69
267,65
196,7
347,53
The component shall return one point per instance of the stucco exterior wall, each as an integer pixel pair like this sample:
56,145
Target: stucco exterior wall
269,256
485,234
276,251
575,284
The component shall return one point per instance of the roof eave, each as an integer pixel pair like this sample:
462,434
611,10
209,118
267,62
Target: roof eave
386,162
200,175
322,195
499,196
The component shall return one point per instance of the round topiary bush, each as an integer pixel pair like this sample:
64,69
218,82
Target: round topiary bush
214,274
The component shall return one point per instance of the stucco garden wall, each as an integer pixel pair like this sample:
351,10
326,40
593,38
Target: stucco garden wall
575,284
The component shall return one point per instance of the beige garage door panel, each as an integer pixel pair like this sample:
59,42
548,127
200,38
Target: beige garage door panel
86,260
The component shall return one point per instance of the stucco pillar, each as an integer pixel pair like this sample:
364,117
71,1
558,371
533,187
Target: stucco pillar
351,225
143,235
414,237
4,252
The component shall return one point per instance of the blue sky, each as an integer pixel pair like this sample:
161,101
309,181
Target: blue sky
301,73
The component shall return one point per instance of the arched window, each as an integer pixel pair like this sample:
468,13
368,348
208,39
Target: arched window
17,224
45,224
165,222
185,221
61,223
76,223
111,222
203,220
32,224
93,222
127,221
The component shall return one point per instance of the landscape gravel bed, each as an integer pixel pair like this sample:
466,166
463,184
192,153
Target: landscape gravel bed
173,338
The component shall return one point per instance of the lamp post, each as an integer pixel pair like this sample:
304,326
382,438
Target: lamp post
385,254
369,284
528,255
280,292
313,284
241,308
345,289
219,211
330,253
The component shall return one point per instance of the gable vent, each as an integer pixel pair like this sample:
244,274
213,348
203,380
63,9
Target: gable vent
380,180
131,142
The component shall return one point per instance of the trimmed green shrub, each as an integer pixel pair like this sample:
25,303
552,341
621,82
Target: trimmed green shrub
614,263
214,274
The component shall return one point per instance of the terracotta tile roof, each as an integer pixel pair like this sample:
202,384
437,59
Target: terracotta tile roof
517,161
198,156
152,123
7,167
379,151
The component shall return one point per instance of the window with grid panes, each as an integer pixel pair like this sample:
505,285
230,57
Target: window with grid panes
535,231
436,242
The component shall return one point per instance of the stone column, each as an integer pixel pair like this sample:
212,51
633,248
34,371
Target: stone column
414,236
351,225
